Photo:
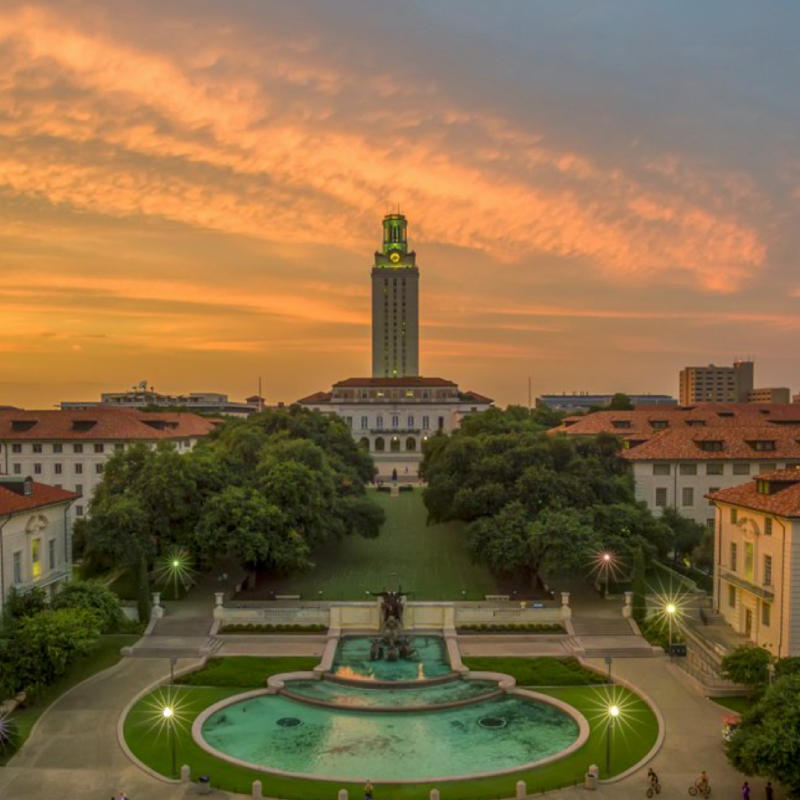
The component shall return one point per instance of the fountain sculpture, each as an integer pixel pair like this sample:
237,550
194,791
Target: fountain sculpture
392,644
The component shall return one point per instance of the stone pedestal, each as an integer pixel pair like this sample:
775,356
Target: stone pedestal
186,774
627,609
257,790
566,611
434,794
522,790
342,794
219,608
156,610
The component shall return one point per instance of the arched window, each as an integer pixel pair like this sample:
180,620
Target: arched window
364,442
411,443
395,444
380,445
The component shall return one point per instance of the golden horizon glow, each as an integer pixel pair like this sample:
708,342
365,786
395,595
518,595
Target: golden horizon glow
197,204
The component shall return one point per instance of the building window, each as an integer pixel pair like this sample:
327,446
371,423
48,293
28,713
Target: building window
79,488
18,469
364,423
688,469
37,448
349,421
79,469
77,448
17,568
661,469
37,469
712,491
36,559
379,423
16,448
734,515
395,422
766,608
715,469
98,468
710,525
741,469
57,469
749,561
78,511
767,570
441,423
734,555
58,448
426,423
711,445
411,444
411,422
732,596
119,447
768,526
661,497
51,554
687,496
98,448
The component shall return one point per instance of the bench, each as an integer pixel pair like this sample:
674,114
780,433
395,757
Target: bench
497,597
287,596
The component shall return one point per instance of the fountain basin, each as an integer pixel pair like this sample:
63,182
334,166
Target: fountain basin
352,661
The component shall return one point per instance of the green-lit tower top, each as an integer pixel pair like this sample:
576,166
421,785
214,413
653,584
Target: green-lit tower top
395,253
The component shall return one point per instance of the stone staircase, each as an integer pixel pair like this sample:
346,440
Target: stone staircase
615,637
177,637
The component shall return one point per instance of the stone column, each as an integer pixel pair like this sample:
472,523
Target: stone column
257,789
186,774
566,611
157,610
627,609
219,608
522,790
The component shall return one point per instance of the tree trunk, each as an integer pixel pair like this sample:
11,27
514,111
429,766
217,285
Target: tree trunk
143,590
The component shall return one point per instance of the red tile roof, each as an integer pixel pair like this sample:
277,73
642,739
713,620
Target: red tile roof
784,502
474,397
102,424
737,443
317,397
42,495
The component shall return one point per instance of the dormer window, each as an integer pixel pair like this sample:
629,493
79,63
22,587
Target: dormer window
711,446
763,445
763,487
621,423
83,424
696,423
22,424
659,424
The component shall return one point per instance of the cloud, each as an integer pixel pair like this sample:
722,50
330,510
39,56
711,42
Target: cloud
255,135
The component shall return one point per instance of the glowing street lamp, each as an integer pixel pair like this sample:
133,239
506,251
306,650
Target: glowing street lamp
613,714
174,566
671,609
607,559
168,713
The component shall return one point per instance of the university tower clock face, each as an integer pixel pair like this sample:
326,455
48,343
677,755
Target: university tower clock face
395,258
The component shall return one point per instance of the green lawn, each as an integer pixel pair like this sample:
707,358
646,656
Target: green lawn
102,656
245,671
538,671
634,736
432,562
736,704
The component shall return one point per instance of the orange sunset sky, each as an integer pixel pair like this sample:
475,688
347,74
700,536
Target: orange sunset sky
599,193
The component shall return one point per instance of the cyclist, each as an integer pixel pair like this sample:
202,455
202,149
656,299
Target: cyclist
702,783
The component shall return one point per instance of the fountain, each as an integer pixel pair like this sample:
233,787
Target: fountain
391,644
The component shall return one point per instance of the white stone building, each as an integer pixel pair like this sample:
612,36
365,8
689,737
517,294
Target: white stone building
757,560
68,449
34,535
393,418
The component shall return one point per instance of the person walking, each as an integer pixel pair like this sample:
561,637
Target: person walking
745,791
368,790
768,790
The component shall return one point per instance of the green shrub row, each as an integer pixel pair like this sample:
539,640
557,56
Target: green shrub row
270,628
528,627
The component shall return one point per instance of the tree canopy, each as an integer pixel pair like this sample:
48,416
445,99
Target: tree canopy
266,490
537,503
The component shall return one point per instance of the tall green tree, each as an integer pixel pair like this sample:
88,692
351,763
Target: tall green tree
748,665
767,742
639,587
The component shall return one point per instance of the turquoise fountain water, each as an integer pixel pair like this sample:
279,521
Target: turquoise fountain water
352,727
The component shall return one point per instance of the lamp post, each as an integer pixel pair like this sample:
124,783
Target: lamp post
606,569
671,610
169,718
613,713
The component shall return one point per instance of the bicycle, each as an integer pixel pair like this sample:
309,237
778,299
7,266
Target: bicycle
653,788
694,790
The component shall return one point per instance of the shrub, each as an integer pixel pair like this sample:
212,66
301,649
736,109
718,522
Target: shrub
9,736
92,596
748,665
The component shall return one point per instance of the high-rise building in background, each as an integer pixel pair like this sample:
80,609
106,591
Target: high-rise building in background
713,384
395,304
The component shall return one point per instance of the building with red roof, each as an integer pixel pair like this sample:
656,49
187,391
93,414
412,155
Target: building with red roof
757,559
34,535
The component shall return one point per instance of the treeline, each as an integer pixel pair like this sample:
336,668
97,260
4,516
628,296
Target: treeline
539,503
264,491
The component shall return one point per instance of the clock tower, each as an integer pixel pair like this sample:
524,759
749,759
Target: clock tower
395,304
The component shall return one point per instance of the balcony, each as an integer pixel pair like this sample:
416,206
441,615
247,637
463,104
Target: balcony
396,431
765,592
